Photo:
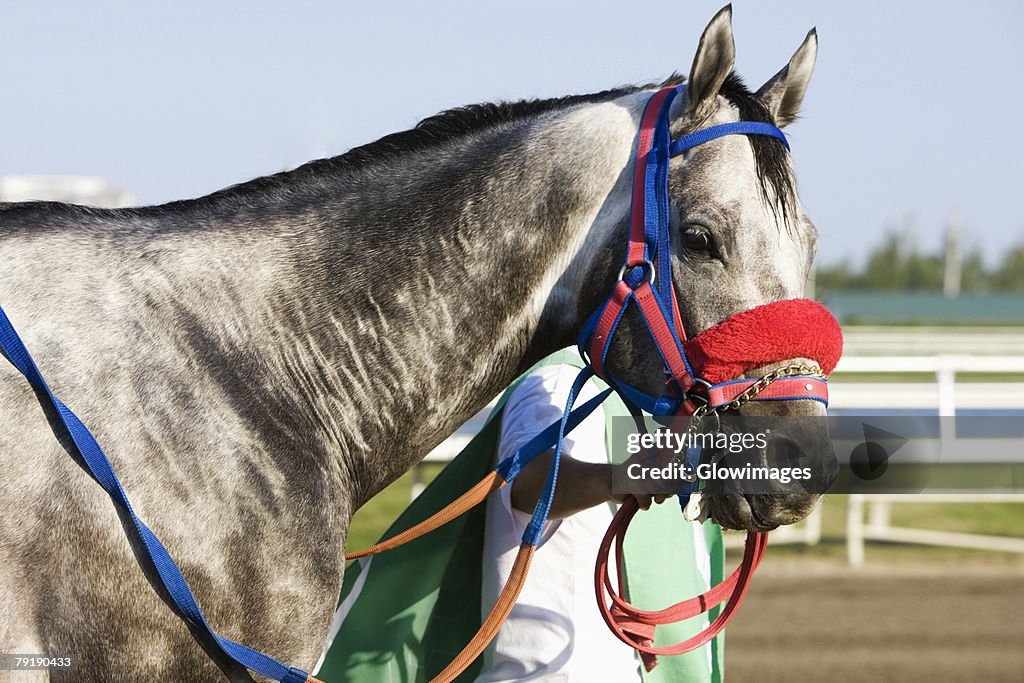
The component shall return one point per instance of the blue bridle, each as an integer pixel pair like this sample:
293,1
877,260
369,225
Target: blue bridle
649,251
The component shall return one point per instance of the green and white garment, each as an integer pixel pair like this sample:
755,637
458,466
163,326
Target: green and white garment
405,614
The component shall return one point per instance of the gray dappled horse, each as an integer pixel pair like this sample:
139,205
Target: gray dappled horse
259,362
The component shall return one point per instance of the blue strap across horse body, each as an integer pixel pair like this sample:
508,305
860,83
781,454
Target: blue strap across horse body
88,450
84,445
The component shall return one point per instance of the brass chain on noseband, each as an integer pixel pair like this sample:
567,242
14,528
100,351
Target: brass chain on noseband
748,394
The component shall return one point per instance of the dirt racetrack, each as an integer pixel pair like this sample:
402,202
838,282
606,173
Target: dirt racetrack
834,624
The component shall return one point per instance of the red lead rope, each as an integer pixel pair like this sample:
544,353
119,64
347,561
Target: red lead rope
636,627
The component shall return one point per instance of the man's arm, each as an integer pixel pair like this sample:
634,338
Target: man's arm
581,485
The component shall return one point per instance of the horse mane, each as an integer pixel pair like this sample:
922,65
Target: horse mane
433,131
452,124
461,121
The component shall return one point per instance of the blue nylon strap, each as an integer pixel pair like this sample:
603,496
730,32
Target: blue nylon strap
648,241
656,205
658,406
590,326
687,488
656,177
634,398
535,528
99,467
672,328
687,142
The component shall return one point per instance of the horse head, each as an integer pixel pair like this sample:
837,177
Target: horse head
740,239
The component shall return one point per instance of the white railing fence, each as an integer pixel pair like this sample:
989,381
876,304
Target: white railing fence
942,393
878,525
946,396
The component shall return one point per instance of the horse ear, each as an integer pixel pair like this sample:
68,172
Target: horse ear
713,62
784,92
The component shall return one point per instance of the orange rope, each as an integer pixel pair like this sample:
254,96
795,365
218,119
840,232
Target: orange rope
492,482
499,613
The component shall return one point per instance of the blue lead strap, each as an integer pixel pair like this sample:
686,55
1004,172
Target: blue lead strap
95,460
552,436
535,528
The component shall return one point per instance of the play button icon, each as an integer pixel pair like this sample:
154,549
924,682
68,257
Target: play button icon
870,460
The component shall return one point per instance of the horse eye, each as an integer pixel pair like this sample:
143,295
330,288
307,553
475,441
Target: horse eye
696,240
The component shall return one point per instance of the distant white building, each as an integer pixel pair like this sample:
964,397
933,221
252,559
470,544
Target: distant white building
89,190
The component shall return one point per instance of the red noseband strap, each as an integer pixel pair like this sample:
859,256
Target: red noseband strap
794,328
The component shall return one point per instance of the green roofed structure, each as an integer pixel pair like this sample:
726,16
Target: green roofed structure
909,308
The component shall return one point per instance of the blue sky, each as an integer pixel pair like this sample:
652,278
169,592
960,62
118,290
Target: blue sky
914,109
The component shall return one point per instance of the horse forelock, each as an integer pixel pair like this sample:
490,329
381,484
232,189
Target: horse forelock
770,156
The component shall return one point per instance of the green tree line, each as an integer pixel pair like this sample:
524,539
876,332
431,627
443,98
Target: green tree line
897,264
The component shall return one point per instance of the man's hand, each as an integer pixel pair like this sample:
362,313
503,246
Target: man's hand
644,500
646,491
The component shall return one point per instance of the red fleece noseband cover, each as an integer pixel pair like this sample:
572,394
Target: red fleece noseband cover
795,328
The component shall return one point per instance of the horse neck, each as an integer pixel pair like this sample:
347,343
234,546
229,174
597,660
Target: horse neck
418,289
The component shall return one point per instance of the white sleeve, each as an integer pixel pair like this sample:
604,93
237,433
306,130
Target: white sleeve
538,401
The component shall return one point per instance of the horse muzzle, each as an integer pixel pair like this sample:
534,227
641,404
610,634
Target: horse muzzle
779,480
